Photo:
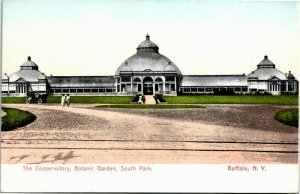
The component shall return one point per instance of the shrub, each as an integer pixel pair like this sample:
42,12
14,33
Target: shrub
160,98
288,117
136,98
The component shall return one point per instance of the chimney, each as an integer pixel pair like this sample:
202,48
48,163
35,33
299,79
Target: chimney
29,58
266,56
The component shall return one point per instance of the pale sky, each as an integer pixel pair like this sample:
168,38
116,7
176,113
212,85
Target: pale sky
93,37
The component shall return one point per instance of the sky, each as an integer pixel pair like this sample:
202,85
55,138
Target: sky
93,37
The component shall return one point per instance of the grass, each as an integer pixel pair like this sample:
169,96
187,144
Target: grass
288,116
196,99
14,100
233,99
93,99
150,106
16,118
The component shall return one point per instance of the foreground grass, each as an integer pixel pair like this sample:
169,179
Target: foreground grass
16,118
93,99
14,100
149,106
288,117
235,99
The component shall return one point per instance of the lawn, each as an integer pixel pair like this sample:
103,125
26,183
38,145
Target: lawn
77,99
14,100
233,99
149,106
93,99
16,118
196,99
288,116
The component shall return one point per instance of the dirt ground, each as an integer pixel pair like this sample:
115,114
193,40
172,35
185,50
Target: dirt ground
216,134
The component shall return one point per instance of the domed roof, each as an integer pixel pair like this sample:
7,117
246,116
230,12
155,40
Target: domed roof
30,64
27,75
147,58
266,70
147,45
29,72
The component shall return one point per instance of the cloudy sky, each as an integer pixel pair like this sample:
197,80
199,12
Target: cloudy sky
93,37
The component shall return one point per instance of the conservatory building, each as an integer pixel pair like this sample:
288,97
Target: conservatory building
147,72
27,79
266,78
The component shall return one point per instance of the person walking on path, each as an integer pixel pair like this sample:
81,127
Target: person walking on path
68,99
62,100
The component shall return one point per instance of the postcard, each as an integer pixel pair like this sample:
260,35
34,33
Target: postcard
149,96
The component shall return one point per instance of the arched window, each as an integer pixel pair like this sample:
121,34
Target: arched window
136,79
148,79
158,79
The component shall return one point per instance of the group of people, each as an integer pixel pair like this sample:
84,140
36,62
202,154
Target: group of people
65,99
142,100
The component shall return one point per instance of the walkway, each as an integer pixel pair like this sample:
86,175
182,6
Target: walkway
83,134
149,99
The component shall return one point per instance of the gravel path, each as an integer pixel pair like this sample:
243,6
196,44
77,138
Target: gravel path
242,116
104,132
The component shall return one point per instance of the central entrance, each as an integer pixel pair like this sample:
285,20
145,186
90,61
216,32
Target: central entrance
148,86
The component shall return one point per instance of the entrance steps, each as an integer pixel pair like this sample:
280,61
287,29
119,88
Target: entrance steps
149,99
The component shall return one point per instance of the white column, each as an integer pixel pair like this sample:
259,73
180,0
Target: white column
286,86
164,87
153,88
